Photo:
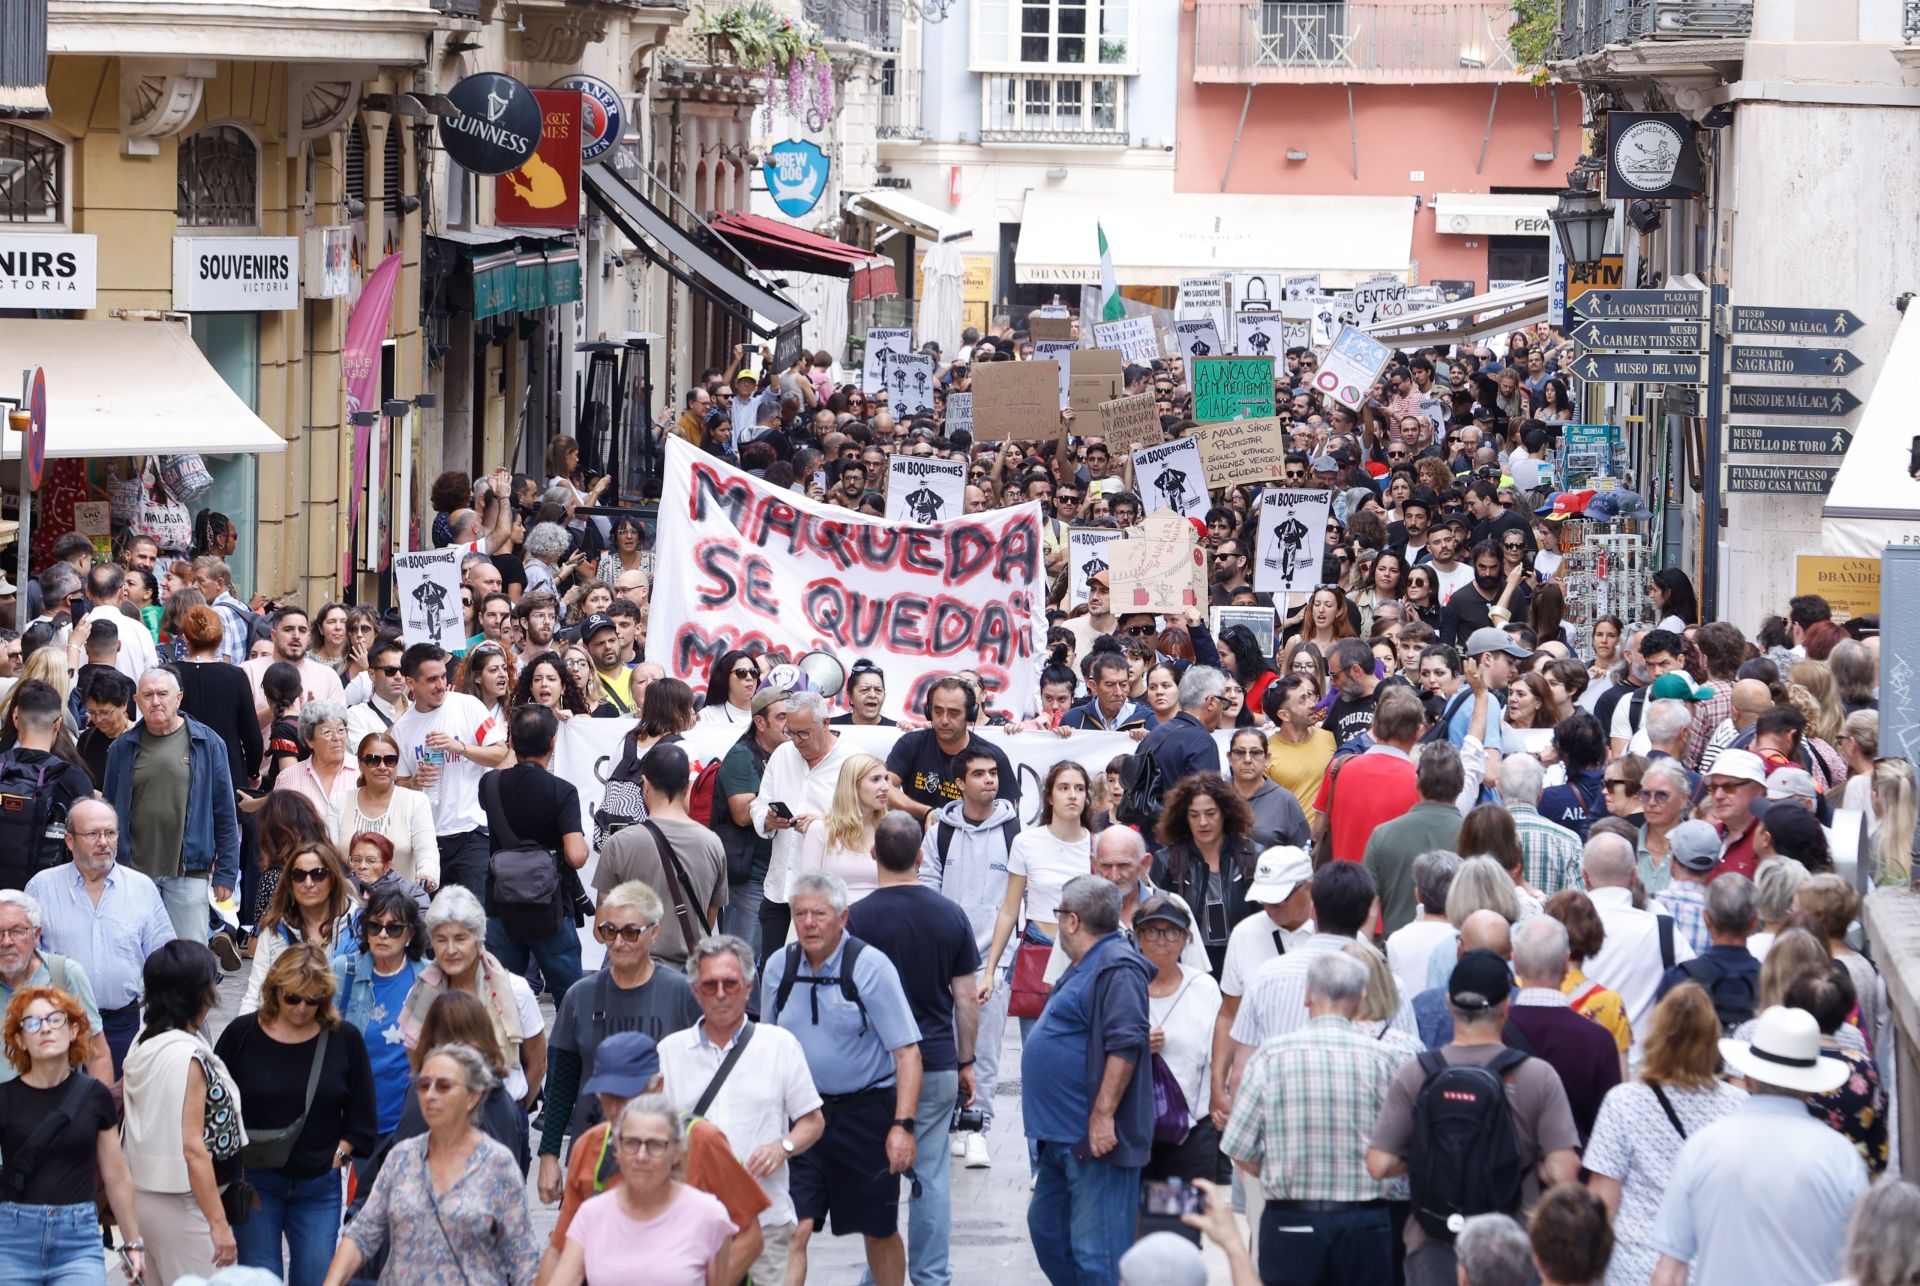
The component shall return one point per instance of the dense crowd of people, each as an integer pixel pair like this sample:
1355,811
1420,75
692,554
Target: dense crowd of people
1459,934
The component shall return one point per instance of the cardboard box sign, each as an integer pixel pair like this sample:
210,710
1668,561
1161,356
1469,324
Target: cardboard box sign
1050,327
1096,375
1016,401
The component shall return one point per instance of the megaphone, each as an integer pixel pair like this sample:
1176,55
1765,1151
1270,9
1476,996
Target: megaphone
824,668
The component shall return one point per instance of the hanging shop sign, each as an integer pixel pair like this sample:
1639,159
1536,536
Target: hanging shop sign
1651,155
602,115
545,192
49,269
498,128
797,175
236,274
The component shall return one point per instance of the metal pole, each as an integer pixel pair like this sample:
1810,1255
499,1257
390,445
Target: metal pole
1232,151
1710,520
24,537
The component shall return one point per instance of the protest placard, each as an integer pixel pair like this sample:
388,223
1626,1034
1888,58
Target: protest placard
1260,620
1255,292
1197,337
1046,328
427,584
741,563
1160,568
1296,325
1016,401
1231,388
882,340
1087,554
1292,540
1258,334
1379,299
924,490
1094,375
910,384
1204,297
1171,476
1236,451
1060,353
1303,286
1128,423
1133,336
959,413
1351,366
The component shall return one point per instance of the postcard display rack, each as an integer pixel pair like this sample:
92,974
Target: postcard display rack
1606,573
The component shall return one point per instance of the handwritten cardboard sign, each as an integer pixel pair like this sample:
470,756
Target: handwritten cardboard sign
1094,375
1160,569
1060,353
959,412
1232,388
1236,451
1135,337
1129,423
1016,401
1044,328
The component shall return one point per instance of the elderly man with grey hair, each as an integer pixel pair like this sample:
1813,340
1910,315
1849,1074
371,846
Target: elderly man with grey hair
24,964
1549,852
1184,744
843,1001
800,777
1640,945
1575,1046
1307,1101
1728,971
1493,1250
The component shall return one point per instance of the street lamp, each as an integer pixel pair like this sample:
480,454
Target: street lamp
1581,221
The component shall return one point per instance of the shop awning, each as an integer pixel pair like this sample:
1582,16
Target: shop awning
515,272
652,232
1874,501
1158,239
1476,214
130,388
898,210
1493,313
781,247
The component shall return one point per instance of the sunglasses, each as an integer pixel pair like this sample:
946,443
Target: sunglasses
1620,783
1139,631
627,933
312,1002
1247,752
747,672
385,929
317,875
436,1084
1656,796
380,761
388,670
719,986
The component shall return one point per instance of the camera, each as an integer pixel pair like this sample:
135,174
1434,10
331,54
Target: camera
967,1120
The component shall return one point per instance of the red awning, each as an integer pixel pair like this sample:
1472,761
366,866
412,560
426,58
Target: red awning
781,247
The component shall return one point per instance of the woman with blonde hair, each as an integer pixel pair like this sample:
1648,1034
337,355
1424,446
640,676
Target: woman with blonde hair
1894,813
1383,1002
1860,743
1829,765
1834,905
1481,884
48,665
1827,714
1644,1122
842,841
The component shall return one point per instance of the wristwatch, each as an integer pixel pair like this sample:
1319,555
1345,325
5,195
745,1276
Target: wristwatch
905,1122
786,1145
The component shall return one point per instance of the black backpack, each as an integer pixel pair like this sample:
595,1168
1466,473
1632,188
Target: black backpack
944,831
27,810
791,975
1466,1151
1735,996
1438,732
1145,785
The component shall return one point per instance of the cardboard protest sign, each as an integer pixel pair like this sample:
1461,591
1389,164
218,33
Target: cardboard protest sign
959,412
1204,297
1296,325
1094,375
1255,292
1197,337
1053,312
1045,328
1261,620
910,385
1379,299
1292,540
741,563
1060,353
1258,334
1133,336
1236,451
1160,568
1086,554
1016,401
1128,423
1351,366
1231,388
1171,476
427,584
923,490
882,340
1304,286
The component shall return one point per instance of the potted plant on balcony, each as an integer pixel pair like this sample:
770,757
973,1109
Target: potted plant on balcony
785,52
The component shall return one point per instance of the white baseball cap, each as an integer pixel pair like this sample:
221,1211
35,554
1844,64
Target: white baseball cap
1281,869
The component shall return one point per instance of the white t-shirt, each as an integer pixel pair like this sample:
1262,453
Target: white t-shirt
531,1025
1454,581
1187,1017
1047,863
1410,947
1623,726
456,796
1250,945
725,715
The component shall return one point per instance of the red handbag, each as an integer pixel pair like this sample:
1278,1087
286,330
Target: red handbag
1029,987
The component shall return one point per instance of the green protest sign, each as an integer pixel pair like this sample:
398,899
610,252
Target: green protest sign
1232,388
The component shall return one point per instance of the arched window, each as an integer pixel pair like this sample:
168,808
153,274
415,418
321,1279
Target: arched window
33,176
219,184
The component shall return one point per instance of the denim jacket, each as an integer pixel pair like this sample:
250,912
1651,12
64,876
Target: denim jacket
212,845
353,976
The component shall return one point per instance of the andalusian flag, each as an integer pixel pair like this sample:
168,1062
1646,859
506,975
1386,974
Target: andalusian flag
1114,307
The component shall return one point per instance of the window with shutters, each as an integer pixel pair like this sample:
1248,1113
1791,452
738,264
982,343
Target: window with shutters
355,169
218,179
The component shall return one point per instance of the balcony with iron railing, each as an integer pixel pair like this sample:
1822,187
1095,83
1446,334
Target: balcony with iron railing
899,103
1046,107
1592,27
1259,42
874,23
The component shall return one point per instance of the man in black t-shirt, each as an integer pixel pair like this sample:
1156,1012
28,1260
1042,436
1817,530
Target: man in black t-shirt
921,763
528,807
931,944
1350,664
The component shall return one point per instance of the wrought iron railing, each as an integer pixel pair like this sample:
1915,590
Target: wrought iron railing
1588,26
860,22
900,102
1046,108
1260,41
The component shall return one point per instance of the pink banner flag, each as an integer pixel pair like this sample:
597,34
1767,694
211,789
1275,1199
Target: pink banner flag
360,360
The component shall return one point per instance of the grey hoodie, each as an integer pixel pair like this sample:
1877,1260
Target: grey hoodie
974,874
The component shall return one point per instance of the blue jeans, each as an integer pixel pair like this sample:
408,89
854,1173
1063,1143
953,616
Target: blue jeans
1337,1247
1081,1217
741,917
306,1212
50,1245
558,954
930,1214
185,897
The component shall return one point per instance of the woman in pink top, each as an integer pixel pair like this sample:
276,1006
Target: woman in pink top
328,776
842,841
649,1229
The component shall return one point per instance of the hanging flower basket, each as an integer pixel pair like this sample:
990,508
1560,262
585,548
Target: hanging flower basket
791,57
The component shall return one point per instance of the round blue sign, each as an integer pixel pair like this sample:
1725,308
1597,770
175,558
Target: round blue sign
498,127
602,115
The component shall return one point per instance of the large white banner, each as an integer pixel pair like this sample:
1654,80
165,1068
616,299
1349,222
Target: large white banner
741,564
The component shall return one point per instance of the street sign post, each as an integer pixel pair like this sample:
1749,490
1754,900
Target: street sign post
1767,399
1819,322
1642,368
1781,479
1641,336
1773,439
1640,305
1779,359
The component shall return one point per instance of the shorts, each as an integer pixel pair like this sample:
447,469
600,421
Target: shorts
843,1179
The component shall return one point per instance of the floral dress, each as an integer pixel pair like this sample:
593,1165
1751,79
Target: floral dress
476,1233
1858,1109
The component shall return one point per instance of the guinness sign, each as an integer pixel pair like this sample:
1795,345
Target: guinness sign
499,125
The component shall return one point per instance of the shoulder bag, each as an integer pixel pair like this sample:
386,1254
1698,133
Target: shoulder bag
523,880
269,1149
686,906
25,1160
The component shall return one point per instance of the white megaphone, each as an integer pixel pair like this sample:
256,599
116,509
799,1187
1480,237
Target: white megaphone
824,668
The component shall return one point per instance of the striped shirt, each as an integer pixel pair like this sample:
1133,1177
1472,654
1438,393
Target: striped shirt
1305,1107
1549,852
1687,899
1276,1002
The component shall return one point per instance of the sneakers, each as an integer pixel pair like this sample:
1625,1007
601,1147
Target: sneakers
957,1145
226,951
975,1151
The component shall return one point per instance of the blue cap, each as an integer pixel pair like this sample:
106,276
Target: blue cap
624,1065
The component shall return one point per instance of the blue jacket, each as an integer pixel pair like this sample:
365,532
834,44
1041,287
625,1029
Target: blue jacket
212,844
353,976
1182,746
1102,1001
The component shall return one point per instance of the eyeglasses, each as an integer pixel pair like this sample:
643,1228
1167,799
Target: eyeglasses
1247,752
628,933
94,837
719,986
308,875
436,1085
1162,932
652,1147
380,761
312,1002
54,1021
1656,796
23,934
385,929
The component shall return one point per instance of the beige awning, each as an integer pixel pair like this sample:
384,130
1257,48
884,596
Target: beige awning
130,388
1475,214
898,210
1493,313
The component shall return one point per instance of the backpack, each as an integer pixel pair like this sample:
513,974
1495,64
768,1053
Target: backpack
27,813
1466,1151
523,880
1735,996
1438,732
1146,786
944,832
703,796
791,975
